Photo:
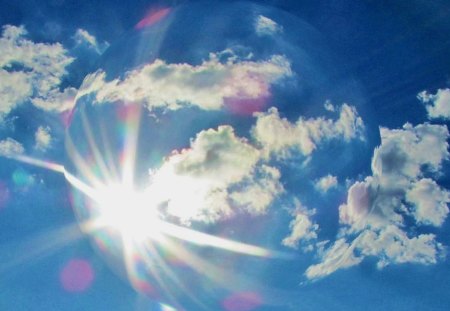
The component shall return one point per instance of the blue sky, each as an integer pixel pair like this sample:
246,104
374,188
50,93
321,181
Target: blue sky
225,155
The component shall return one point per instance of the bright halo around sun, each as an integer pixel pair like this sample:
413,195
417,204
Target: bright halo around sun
131,213
166,179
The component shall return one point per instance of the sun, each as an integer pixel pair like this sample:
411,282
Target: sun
129,212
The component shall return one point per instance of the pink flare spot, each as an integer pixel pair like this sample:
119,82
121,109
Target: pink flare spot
129,112
245,106
4,195
77,276
244,301
153,17
66,117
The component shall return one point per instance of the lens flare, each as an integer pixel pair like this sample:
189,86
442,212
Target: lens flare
77,275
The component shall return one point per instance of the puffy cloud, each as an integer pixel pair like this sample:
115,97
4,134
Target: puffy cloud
329,106
266,26
43,138
210,85
84,38
376,208
9,147
429,201
392,245
216,155
259,190
218,176
29,70
437,105
326,183
403,158
302,227
279,137
14,89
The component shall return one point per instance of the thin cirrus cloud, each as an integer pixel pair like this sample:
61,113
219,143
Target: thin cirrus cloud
402,188
31,71
437,105
207,86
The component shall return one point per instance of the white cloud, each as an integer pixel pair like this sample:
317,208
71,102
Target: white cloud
389,245
339,256
302,227
15,88
266,26
259,190
329,106
279,137
218,176
437,105
28,70
43,138
83,37
216,155
326,183
376,208
429,201
9,147
56,100
392,245
208,85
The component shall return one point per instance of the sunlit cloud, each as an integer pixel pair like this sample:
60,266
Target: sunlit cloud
302,228
31,71
279,137
209,86
220,175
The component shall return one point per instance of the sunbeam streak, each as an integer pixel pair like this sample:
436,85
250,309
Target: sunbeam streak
134,218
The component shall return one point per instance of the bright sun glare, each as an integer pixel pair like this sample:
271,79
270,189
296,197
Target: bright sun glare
127,211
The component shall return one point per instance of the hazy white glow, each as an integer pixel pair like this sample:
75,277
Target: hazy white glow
130,212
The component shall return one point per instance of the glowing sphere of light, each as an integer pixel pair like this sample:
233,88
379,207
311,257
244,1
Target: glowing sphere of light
168,175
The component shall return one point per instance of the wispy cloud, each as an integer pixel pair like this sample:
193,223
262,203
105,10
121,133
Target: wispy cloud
84,38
